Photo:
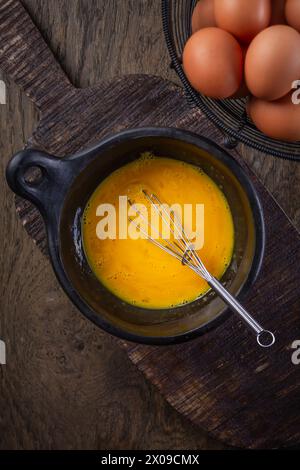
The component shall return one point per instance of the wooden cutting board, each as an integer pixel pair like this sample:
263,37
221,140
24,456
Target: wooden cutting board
223,382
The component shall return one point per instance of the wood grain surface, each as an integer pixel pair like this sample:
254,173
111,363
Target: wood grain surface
130,414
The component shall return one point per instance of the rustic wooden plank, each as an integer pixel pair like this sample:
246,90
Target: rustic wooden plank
57,358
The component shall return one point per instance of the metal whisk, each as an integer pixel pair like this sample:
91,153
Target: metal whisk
183,250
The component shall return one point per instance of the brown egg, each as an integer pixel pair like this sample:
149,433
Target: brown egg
203,15
273,62
277,119
278,15
213,62
243,18
292,13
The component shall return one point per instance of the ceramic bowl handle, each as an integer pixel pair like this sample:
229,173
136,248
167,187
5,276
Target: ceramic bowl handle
39,177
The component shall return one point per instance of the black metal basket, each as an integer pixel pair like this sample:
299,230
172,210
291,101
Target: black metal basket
230,114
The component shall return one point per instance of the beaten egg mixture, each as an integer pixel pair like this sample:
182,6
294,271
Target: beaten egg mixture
134,269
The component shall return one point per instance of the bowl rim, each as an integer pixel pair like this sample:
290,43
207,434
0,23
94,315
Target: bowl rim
253,198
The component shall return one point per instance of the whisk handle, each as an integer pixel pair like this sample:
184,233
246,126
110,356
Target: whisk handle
265,338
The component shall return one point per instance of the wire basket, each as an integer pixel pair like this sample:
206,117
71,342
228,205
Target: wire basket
230,114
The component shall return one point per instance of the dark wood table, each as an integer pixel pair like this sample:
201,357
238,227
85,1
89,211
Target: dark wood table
93,40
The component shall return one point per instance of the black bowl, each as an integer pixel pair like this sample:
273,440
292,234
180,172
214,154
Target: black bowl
61,194
230,114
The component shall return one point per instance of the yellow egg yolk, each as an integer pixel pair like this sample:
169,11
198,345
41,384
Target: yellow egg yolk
134,269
